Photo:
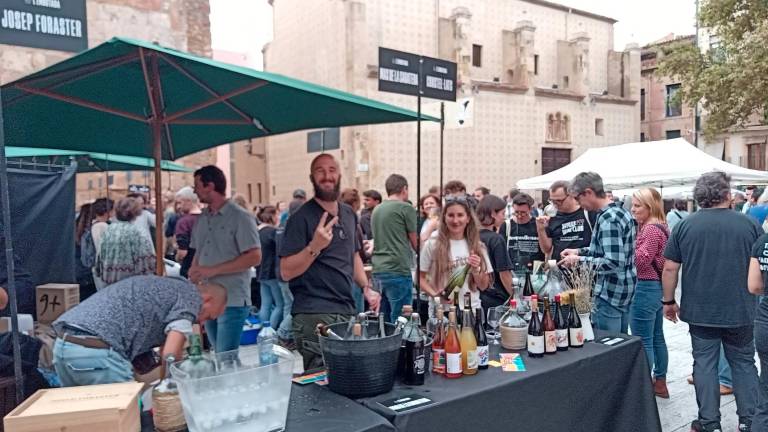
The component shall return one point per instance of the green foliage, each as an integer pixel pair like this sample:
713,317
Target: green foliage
731,81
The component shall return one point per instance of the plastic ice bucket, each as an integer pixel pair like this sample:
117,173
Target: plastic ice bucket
241,395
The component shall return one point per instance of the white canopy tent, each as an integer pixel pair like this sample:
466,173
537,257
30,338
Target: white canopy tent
660,164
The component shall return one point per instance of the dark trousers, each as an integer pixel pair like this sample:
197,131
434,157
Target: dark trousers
303,326
760,421
739,346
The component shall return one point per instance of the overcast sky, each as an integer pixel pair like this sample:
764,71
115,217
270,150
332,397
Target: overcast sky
246,25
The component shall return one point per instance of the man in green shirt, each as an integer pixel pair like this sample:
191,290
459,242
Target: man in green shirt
394,231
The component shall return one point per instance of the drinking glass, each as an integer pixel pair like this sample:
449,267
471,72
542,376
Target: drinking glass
494,315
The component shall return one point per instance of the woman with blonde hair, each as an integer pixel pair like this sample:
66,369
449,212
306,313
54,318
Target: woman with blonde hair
645,311
456,249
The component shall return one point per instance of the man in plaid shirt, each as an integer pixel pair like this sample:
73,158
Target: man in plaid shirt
611,252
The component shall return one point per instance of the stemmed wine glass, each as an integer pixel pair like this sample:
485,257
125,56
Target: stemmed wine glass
494,315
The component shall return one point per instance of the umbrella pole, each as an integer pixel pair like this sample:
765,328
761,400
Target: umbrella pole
157,131
418,187
442,130
6,208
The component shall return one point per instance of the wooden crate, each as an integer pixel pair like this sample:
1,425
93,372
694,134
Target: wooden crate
54,299
108,407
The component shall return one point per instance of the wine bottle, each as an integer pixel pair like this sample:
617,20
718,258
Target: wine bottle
468,345
468,307
535,332
550,337
561,326
438,343
575,332
527,288
382,327
414,353
483,355
197,365
452,348
458,310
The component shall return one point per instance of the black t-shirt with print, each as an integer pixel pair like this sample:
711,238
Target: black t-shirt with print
760,252
570,231
522,243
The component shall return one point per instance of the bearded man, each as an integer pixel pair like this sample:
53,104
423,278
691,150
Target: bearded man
319,257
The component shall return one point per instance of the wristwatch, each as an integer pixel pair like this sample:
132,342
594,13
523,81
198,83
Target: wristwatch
312,253
668,303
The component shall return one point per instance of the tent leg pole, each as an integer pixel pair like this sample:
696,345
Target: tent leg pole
6,208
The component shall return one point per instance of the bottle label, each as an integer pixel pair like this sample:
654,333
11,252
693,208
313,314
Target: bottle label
576,336
418,365
550,341
472,359
536,344
562,337
453,363
482,355
438,360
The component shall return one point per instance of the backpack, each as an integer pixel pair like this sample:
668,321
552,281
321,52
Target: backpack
87,250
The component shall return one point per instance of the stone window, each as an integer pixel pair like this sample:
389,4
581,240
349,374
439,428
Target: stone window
558,127
477,55
599,127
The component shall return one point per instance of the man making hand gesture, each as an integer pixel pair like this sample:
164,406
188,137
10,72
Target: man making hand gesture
320,259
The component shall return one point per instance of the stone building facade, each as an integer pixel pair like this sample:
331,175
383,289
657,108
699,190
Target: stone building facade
543,81
180,24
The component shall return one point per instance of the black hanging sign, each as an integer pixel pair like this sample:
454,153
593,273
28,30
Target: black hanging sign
50,24
399,73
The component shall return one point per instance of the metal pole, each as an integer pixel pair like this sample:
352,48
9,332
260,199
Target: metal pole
6,208
442,130
696,105
418,186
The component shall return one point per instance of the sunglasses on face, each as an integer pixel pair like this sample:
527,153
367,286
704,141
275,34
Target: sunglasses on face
456,198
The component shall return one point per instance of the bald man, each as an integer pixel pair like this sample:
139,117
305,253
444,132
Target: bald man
319,258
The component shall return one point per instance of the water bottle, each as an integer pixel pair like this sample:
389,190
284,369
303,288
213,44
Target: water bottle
266,340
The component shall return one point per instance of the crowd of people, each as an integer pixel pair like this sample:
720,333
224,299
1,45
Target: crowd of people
340,252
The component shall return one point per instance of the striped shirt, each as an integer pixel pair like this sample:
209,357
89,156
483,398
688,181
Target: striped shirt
612,253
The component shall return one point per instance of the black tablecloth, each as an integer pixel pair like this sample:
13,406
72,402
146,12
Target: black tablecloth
596,388
316,409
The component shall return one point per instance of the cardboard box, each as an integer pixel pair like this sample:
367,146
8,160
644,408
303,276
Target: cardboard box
108,407
54,299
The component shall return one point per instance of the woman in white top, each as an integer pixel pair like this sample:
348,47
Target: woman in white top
454,250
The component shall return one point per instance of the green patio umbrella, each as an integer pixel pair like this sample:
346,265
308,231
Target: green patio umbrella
140,99
40,158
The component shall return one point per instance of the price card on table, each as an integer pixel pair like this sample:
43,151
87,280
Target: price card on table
405,403
319,378
611,341
511,362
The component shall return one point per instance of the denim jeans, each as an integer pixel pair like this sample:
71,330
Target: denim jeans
225,331
271,302
610,318
78,365
396,291
740,354
284,331
645,313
